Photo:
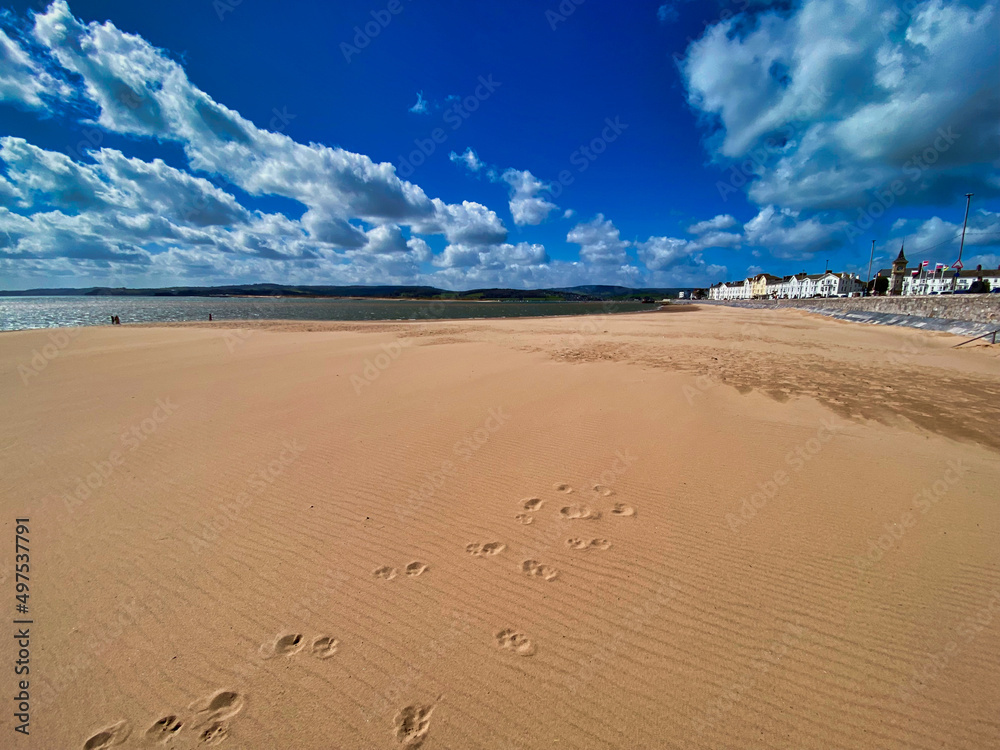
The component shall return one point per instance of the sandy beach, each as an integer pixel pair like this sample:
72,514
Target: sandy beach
710,528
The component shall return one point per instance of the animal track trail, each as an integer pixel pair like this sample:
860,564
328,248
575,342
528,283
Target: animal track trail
489,549
283,645
386,572
520,644
562,487
111,736
533,503
524,519
324,646
415,568
537,570
623,510
579,513
413,724
577,543
603,490
164,730
217,708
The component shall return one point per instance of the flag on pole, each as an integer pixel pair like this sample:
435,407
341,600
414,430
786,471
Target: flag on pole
925,263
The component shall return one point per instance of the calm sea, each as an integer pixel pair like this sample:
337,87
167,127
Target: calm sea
49,312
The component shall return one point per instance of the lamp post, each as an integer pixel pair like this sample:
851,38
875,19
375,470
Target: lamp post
961,246
870,259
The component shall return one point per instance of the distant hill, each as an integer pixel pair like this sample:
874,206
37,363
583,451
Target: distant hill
576,293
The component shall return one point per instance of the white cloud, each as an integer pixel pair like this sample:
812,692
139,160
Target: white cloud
786,234
420,108
140,91
935,238
599,241
834,98
22,80
468,223
526,206
718,223
468,158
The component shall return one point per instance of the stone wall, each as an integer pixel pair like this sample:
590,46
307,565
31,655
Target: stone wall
978,308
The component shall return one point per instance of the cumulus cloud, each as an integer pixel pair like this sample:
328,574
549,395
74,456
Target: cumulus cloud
599,241
24,81
140,91
716,224
785,233
468,223
492,257
935,238
526,205
838,97
469,159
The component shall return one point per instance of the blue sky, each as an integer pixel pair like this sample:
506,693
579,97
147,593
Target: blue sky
462,145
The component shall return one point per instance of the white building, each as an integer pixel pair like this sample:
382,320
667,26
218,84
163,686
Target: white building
796,286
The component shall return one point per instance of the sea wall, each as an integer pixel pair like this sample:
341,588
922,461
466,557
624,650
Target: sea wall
977,308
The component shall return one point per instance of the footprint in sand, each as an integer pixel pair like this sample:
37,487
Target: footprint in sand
214,733
415,568
386,572
164,730
603,491
116,734
621,509
533,503
412,725
579,513
537,570
213,710
485,550
524,518
562,487
283,645
577,543
519,643
324,646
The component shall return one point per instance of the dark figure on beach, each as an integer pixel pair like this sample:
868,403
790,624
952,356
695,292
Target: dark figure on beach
112,320
210,317
115,319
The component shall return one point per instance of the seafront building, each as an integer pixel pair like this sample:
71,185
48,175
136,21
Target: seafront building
796,286
902,281
936,279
